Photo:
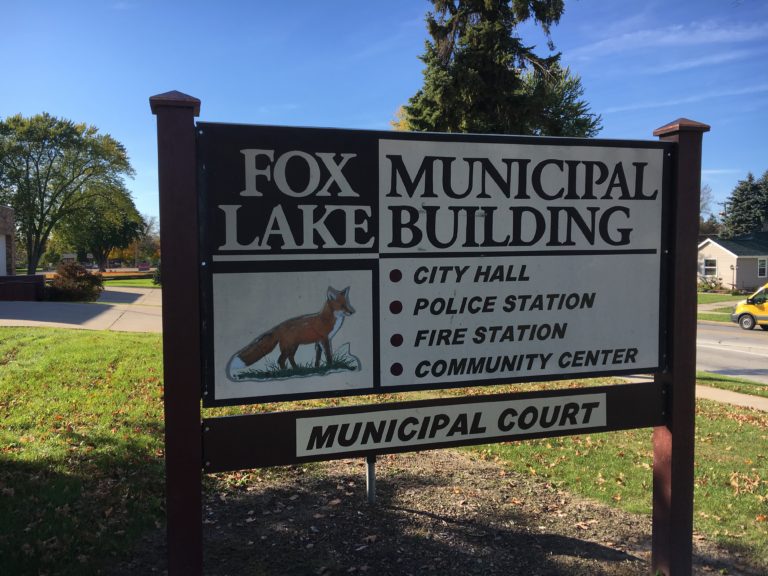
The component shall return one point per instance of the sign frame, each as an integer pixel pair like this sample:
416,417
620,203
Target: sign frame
627,406
673,436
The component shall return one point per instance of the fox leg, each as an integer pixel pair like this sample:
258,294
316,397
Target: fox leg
281,361
318,353
327,347
287,353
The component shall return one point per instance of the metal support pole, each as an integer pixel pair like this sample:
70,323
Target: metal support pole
673,443
177,178
370,478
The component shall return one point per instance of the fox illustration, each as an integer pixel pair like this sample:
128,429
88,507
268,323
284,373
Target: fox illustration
311,328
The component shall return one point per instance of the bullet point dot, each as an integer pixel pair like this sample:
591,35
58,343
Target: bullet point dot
395,275
396,369
396,340
396,307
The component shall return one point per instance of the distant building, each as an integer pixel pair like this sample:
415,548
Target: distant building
7,239
740,263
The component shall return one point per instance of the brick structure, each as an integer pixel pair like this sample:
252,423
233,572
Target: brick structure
7,239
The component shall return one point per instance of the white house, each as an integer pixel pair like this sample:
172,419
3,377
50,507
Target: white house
740,263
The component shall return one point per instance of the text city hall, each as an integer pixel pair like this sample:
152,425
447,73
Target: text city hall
516,202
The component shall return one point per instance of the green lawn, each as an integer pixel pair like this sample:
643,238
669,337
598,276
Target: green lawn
707,298
731,473
81,468
717,315
130,283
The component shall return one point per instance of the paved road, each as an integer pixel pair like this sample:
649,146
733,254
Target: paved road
727,349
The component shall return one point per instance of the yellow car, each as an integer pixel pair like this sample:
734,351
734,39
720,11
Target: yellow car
753,311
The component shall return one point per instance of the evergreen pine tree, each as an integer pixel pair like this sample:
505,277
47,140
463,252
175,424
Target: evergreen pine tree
747,207
481,77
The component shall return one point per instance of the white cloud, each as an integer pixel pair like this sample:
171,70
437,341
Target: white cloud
720,171
694,34
712,60
276,109
760,88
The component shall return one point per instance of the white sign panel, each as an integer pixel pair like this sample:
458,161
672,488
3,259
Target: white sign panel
343,262
386,429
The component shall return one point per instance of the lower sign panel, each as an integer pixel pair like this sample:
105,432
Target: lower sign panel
417,427
238,442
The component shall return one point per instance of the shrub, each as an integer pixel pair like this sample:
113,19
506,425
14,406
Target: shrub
74,283
157,277
710,284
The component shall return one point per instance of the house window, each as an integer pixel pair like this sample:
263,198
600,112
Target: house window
762,264
710,267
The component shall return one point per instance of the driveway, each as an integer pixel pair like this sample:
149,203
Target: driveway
120,309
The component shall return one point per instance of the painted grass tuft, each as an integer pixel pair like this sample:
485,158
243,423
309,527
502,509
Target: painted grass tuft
272,371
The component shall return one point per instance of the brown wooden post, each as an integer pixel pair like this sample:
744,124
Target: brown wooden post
673,443
181,329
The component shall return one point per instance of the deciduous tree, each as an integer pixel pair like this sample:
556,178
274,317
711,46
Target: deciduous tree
109,221
50,168
709,226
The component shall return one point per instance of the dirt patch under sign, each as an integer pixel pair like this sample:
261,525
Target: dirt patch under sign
438,512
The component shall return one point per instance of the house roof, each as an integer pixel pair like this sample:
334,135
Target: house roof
755,244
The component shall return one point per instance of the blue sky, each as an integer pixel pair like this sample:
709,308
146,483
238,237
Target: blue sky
351,63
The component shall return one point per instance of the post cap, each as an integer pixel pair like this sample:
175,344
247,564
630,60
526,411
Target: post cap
681,125
174,99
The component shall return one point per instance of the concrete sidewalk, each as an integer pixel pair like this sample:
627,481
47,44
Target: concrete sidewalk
716,306
119,309
728,397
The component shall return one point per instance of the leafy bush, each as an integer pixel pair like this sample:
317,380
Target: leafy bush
157,277
73,283
710,284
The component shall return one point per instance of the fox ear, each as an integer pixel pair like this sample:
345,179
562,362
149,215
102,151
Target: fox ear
346,292
332,293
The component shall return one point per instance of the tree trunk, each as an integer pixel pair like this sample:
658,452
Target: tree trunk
31,260
101,256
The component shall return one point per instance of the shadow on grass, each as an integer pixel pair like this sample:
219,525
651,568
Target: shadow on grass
71,515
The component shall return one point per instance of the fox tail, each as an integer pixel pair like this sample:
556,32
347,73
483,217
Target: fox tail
256,350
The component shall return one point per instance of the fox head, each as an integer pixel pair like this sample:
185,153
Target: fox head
339,301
